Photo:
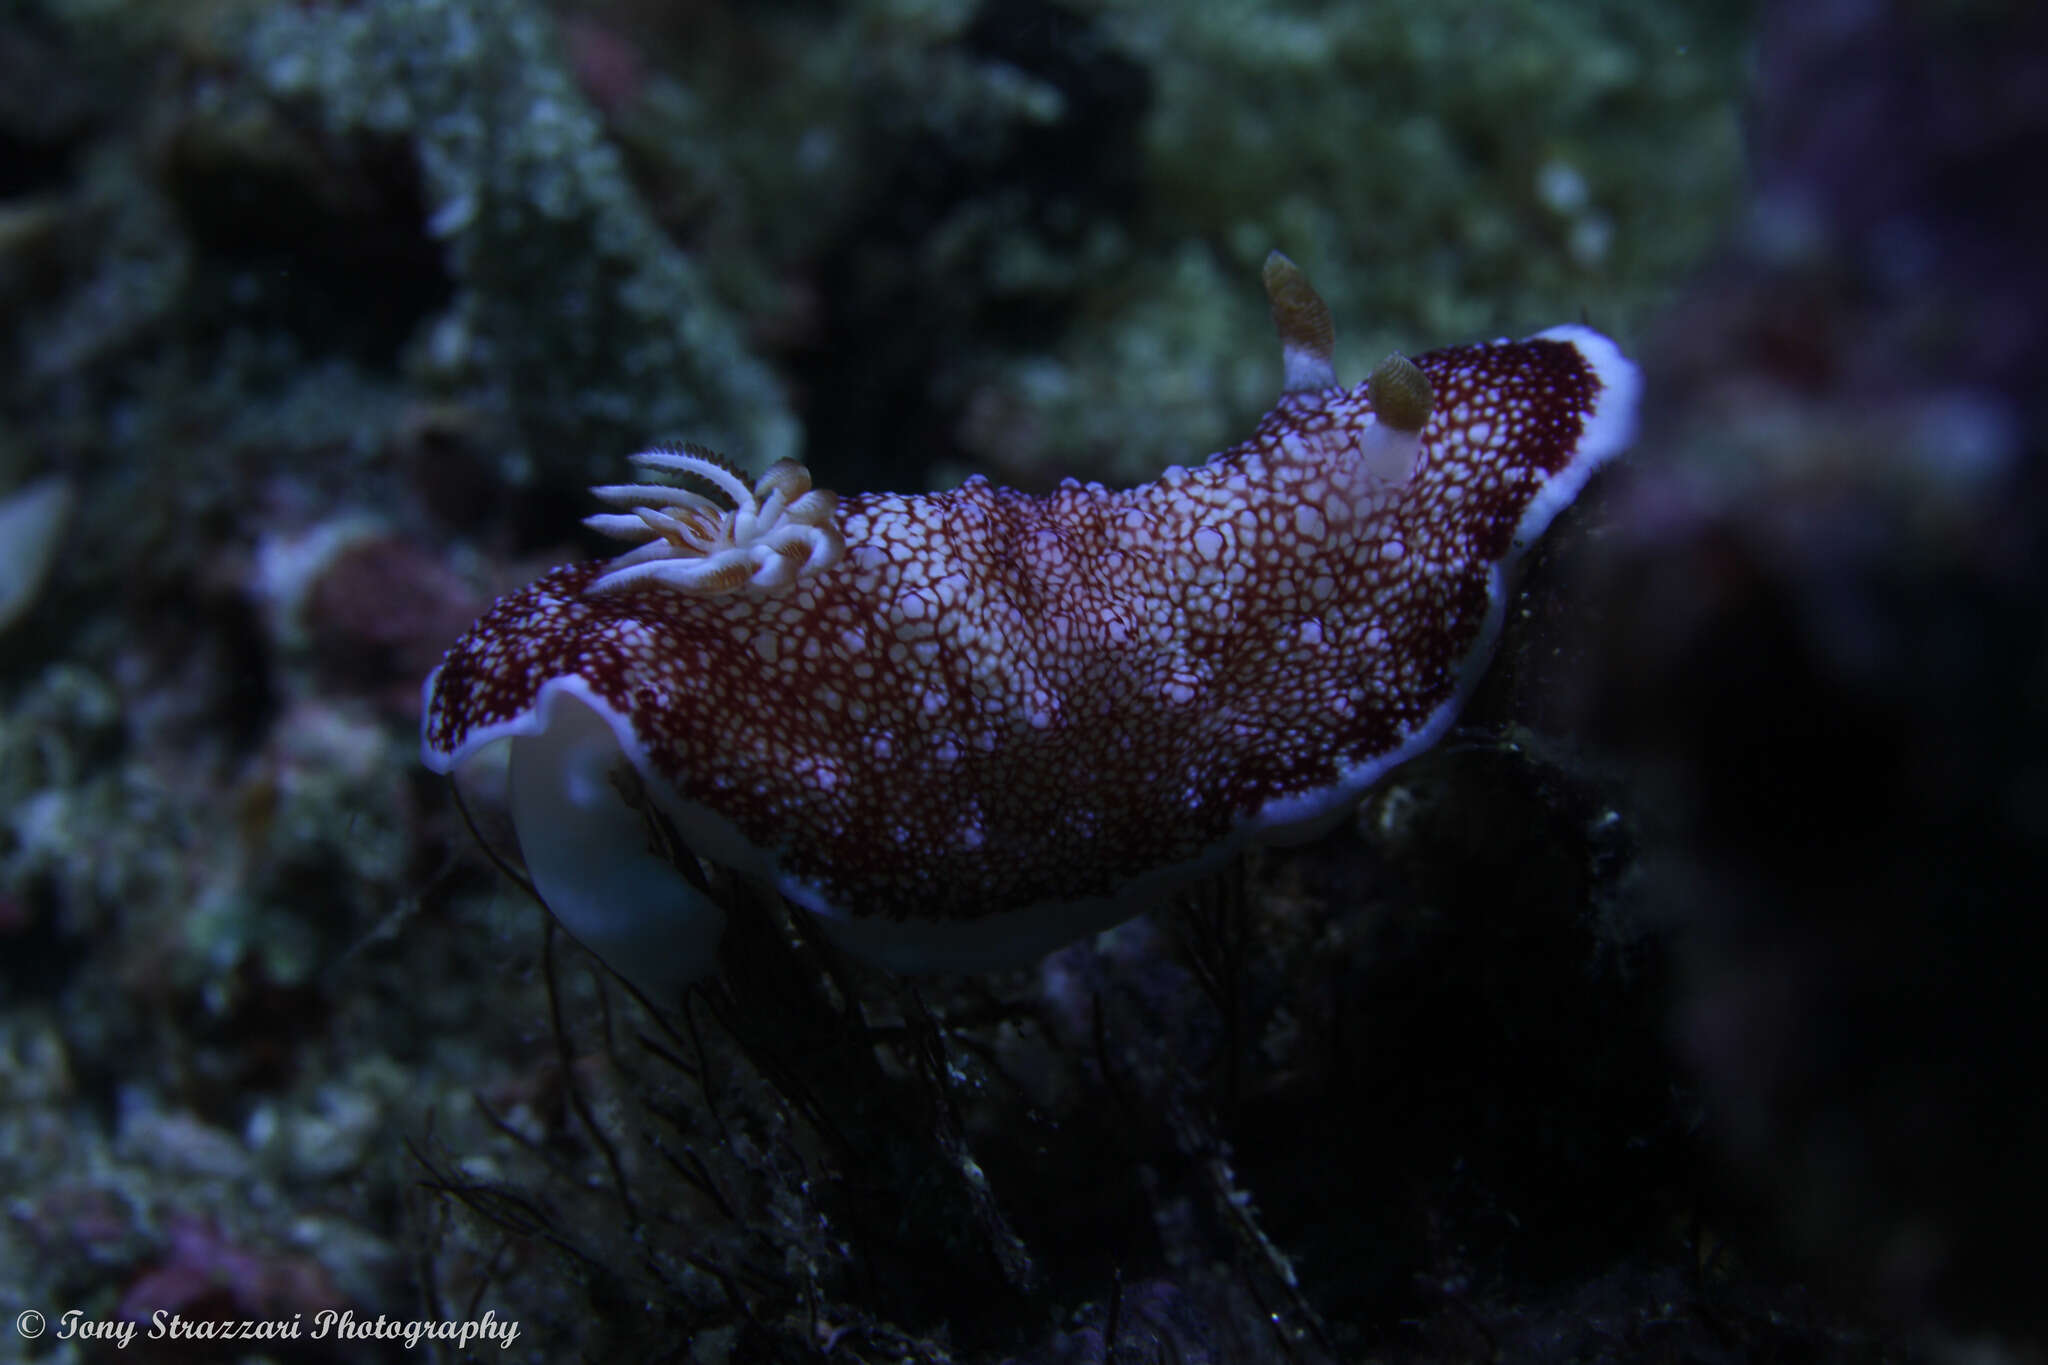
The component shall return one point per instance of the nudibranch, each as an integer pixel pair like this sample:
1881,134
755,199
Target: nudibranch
963,728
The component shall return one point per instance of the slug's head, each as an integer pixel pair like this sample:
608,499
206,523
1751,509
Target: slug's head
1398,391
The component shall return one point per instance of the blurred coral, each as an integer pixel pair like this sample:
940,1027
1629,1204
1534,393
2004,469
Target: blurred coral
1821,648
378,615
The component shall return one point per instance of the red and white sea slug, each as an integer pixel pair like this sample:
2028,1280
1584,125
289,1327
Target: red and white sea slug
963,728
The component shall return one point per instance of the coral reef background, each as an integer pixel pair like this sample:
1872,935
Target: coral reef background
1682,1007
